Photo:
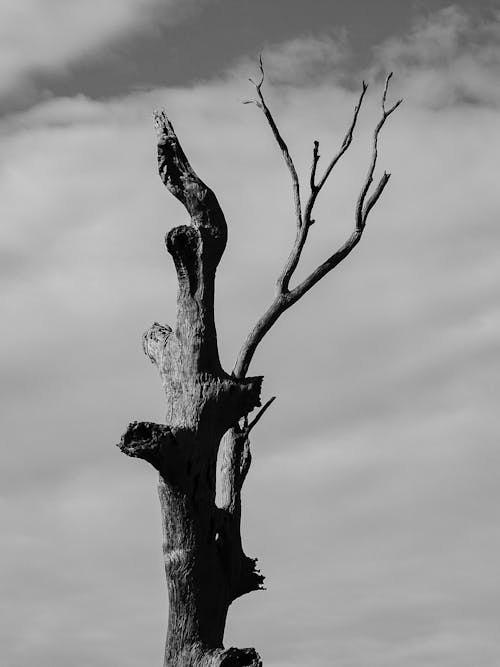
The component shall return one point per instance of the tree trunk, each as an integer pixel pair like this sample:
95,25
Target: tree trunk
205,566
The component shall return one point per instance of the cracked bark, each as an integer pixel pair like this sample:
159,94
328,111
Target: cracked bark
206,408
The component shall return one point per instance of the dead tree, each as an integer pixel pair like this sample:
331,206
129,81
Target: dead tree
207,408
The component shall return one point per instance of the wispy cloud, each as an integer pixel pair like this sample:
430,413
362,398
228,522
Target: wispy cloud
306,59
449,58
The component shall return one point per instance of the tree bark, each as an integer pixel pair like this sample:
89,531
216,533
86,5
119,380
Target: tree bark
205,566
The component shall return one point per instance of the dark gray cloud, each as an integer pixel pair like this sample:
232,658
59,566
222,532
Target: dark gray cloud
138,45
41,44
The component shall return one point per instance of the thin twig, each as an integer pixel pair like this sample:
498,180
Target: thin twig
254,421
347,139
362,211
312,180
301,237
261,103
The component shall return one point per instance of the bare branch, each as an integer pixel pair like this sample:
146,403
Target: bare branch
376,194
312,180
235,461
326,267
261,103
286,297
386,88
302,232
347,139
244,453
254,421
260,329
362,211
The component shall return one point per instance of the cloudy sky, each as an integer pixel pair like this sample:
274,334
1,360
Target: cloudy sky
373,501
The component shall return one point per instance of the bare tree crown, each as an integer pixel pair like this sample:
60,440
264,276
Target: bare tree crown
286,296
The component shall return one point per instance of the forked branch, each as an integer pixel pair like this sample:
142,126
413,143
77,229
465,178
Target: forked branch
302,232
285,296
363,209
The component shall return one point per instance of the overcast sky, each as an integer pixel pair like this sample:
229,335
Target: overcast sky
373,500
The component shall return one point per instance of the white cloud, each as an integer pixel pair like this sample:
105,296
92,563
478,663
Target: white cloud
372,498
